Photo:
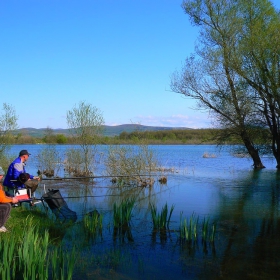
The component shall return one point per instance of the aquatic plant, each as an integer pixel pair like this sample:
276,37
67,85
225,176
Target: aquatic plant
62,263
188,228
123,212
92,222
28,254
208,234
161,220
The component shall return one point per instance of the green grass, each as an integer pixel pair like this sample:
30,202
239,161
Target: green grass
189,229
161,219
26,253
123,212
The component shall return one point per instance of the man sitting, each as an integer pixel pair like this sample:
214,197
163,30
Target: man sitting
13,180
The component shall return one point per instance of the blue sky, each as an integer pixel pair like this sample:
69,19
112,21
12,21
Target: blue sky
116,55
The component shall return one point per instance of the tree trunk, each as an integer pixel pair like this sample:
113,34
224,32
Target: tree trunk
253,152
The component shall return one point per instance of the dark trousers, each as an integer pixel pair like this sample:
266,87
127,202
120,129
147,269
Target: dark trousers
32,185
5,209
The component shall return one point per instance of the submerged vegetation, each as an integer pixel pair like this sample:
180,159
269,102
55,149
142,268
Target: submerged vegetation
35,249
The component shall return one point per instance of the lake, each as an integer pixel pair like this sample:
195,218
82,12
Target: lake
222,189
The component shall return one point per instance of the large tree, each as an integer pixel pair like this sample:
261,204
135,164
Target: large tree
209,75
85,123
258,62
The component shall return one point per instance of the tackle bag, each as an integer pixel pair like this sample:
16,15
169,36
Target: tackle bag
59,206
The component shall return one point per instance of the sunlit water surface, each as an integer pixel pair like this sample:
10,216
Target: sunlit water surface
241,202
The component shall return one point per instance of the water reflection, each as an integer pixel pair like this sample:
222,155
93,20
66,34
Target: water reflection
244,204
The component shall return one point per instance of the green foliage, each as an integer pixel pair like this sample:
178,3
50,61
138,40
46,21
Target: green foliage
61,139
8,123
123,212
86,124
161,220
189,229
93,223
28,256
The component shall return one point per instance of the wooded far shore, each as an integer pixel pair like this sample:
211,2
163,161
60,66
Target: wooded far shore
157,136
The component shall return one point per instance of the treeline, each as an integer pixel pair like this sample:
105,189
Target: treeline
178,136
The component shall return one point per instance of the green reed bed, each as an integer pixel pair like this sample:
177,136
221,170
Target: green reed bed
123,212
28,255
208,231
93,224
161,219
189,229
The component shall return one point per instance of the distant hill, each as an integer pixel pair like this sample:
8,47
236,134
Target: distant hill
108,130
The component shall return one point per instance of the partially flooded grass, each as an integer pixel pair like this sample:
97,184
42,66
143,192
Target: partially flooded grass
123,212
61,253
161,219
189,229
28,254
93,224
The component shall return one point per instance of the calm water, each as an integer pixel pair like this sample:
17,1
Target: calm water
243,203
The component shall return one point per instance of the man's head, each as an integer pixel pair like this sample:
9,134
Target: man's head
23,154
2,173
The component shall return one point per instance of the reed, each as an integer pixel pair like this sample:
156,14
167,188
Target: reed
123,212
208,232
161,220
205,228
213,232
188,228
28,256
62,263
93,223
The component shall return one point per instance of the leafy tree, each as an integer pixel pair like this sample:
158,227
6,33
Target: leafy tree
49,136
61,139
213,75
8,123
86,124
258,63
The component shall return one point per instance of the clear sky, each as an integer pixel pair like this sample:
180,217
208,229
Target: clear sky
117,55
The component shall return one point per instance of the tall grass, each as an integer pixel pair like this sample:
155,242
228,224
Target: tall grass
161,219
92,223
189,229
28,256
123,212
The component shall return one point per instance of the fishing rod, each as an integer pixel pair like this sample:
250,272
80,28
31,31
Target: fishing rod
91,177
95,177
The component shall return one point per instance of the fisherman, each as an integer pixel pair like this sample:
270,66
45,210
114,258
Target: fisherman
17,177
5,204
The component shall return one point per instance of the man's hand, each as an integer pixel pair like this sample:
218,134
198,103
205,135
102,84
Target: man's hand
37,178
15,200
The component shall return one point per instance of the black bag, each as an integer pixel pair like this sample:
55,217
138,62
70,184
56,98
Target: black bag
59,206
